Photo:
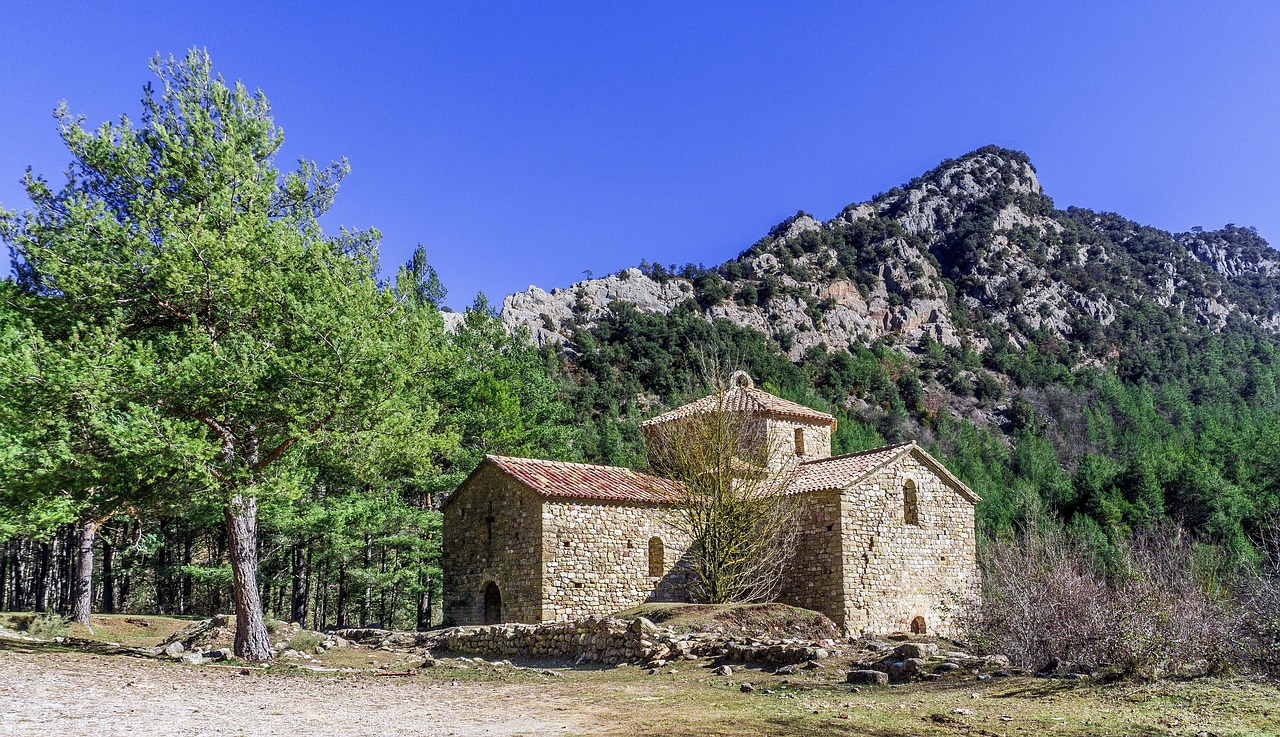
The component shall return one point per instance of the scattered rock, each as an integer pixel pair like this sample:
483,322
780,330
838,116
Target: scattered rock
175,649
787,670
947,667
746,688
867,677
723,670
193,658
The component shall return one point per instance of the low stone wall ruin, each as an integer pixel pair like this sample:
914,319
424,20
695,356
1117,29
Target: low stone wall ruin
611,641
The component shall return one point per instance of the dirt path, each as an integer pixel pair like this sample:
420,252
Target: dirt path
97,696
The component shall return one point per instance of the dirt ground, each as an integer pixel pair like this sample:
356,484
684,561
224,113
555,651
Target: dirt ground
48,689
103,696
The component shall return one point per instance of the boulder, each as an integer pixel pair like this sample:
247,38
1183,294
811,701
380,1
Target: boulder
903,670
867,677
1050,667
193,658
996,661
916,650
175,649
723,670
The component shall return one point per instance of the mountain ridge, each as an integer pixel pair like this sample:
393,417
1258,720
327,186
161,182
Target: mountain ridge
971,244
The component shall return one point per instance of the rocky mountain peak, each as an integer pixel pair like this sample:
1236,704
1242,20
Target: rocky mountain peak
969,252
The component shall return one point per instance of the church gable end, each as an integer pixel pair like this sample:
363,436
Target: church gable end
909,545
492,546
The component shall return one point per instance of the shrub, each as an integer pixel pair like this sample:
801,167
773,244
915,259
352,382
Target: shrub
48,626
305,641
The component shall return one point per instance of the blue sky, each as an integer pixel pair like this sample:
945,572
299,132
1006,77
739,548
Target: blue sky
523,144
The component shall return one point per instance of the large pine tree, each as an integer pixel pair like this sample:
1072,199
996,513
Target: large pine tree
237,331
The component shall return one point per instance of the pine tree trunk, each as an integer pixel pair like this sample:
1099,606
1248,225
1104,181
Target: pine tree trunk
297,606
424,603
108,576
251,643
342,593
306,585
4,576
40,587
162,570
366,604
184,600
82,604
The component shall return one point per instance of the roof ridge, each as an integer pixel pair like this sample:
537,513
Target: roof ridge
580,464
760,401
857,453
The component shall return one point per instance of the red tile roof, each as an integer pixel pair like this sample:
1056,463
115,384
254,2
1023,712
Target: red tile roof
837,472
585,481
745,399
561,480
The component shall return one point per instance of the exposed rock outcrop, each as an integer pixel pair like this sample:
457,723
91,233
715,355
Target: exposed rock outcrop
973,241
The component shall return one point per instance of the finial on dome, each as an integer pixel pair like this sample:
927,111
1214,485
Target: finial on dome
741,379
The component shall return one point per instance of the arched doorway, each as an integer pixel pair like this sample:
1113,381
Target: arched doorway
492,604
917,626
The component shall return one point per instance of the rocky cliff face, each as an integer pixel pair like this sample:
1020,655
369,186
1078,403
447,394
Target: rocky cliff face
972,251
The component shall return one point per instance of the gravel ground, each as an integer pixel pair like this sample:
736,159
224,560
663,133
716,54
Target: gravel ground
103,696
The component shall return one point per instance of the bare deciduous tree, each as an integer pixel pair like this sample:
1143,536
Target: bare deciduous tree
732,507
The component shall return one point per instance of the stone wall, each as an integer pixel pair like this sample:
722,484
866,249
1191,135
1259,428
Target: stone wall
894,571
595,558
782,441
613,641
813,579
610,641
504,551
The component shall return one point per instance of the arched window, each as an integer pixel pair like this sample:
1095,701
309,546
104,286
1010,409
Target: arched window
799,441
657,564
910,504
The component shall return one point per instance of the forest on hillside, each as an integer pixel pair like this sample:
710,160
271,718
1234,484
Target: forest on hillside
208,403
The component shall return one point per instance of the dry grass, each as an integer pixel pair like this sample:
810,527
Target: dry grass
130,630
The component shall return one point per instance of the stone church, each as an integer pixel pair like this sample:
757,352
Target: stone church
886,542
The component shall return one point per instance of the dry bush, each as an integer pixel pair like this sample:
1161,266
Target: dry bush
1161,610
1258,591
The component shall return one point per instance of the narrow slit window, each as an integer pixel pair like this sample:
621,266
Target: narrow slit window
657,554
910,504
799,441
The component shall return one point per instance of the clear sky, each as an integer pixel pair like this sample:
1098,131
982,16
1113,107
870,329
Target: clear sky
523,144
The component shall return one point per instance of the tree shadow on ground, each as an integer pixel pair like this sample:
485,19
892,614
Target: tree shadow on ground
69,645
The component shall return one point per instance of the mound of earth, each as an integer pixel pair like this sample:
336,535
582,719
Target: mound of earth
739,620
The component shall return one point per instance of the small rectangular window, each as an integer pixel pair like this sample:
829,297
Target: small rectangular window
799,441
